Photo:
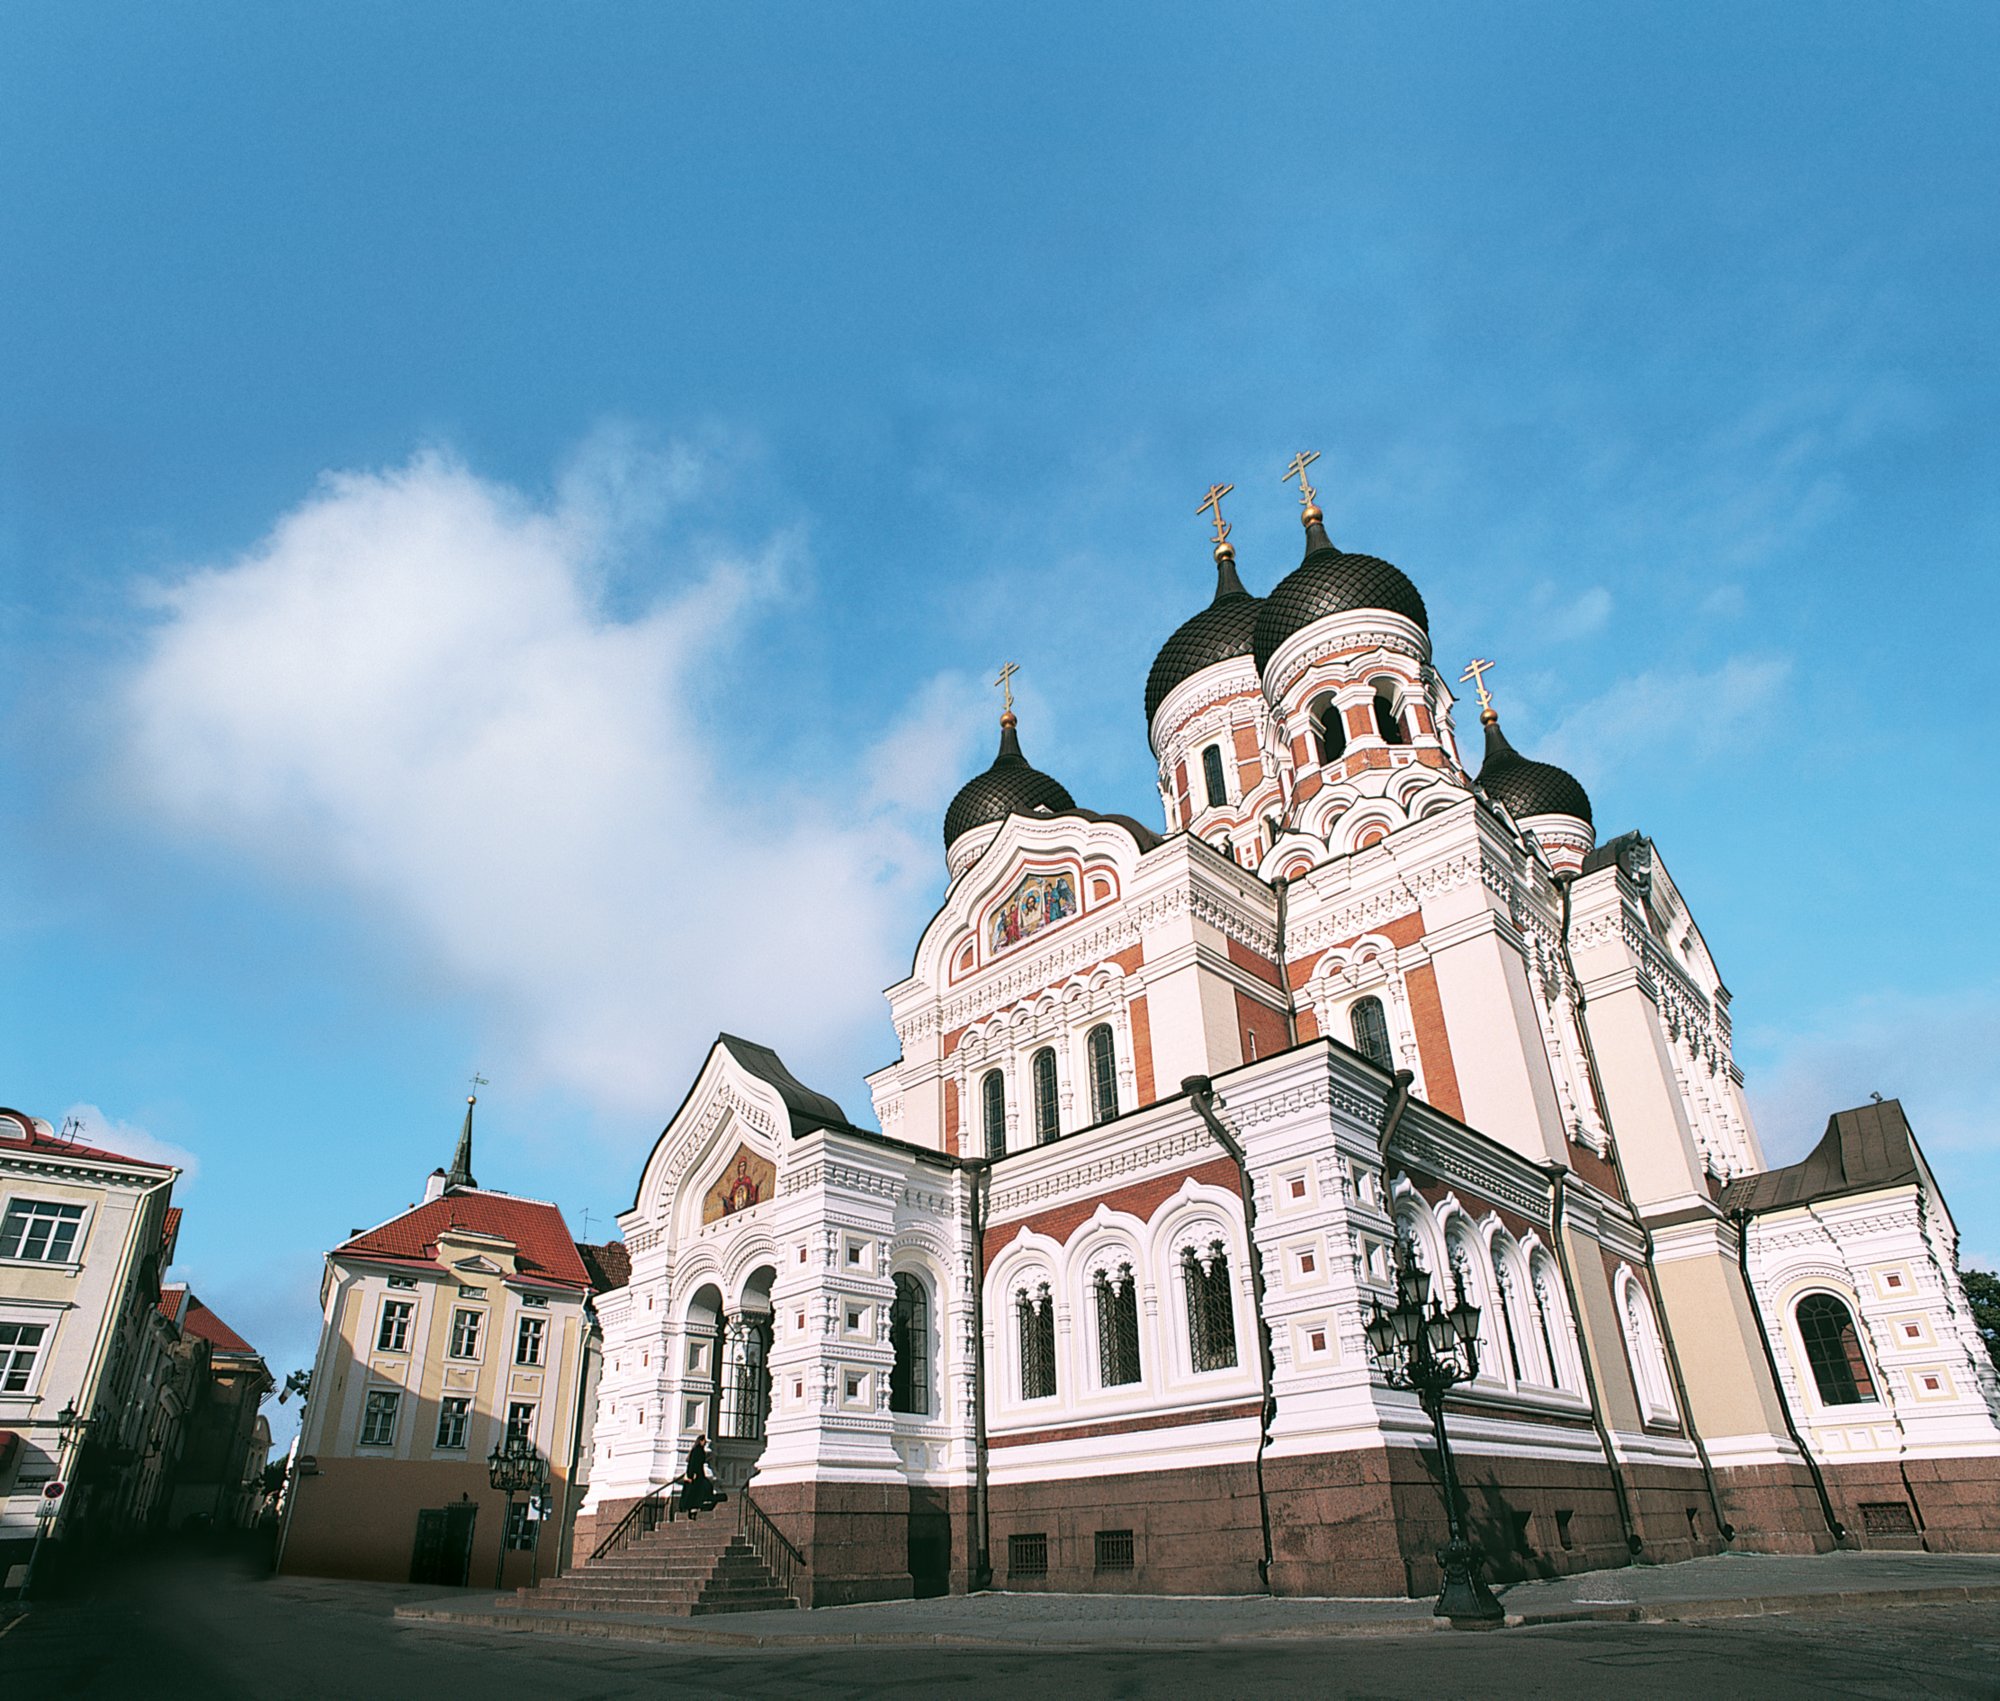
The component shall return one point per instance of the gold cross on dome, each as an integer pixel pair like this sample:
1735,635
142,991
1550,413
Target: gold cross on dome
1476,672
1213,505
1297,470
1006,684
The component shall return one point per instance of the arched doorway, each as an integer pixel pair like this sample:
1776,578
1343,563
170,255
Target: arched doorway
701,1366
745,1380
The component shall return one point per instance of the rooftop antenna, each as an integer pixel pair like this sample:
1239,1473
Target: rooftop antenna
586,1222
72,1129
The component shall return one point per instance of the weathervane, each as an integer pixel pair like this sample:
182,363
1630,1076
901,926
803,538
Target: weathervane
1006,684
478,1081
1476,672
1308,497
1213,505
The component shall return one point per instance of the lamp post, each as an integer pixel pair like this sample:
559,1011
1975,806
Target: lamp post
50,1506
1421,1345
513,1467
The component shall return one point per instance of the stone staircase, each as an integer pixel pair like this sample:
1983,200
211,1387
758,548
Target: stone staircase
678,1570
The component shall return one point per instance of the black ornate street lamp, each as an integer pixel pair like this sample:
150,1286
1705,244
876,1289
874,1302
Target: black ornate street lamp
1421,1345
514,1467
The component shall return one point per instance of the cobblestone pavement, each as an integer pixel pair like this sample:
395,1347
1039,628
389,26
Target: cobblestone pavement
199,1629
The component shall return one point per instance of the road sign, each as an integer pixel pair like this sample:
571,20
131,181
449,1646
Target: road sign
53,1489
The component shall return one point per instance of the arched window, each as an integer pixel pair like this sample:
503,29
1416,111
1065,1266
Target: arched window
1549,1320
1833,1349
1371,1032
1211,1307
1504,1320
1044,1066
1642,1348
1211,773
1386,722
994,1091
1036,1315
1117,1326
1329,729
910,1339
1103,1074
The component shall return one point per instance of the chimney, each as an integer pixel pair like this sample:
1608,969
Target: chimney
434,1186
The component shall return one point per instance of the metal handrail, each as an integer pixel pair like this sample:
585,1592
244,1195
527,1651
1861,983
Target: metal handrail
785,1563
642,1518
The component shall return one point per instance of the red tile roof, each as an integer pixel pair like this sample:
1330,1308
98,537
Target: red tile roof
170,1301
202,1322
610,1265
14,1123
543,1249
170,1233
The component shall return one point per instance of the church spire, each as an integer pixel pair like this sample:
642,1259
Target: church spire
461,1160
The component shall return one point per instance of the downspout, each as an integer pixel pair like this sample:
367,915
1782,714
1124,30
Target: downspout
566,1527
1742,1221
1283,888
1723,1526
980,1171
1201,1093
1558,1201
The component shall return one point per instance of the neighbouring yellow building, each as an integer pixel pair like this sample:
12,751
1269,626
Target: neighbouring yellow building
448,1329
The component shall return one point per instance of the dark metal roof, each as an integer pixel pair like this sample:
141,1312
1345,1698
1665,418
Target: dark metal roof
1528,788
1864,1148
808,1109
1331,581
1009,787
1220,632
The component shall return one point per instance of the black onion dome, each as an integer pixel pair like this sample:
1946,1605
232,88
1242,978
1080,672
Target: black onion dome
1528,788
1009,787
1331,581
1220,632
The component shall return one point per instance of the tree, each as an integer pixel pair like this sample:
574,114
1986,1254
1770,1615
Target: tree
1982,1288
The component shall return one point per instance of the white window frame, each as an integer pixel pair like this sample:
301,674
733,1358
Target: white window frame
534,1411
1646,1355
38,1362
464,1420
408,1307
392,1404
75,1260
526,1329
458,1315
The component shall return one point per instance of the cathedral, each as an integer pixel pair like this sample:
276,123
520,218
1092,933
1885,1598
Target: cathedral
1090,1310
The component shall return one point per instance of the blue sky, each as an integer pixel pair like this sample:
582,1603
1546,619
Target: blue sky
507,514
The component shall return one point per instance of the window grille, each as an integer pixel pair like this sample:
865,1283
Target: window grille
1045,1095
528,1341
994,1091
452,1412
1211,1307
1211,773
378,1417
1833,1349
394,1335
1114,1550
1028,1556
1887,1518
465,1334
1037,1317
1386,722
40,1230
909,1338
1371,1032
1103,1074
20,1346
1117,1327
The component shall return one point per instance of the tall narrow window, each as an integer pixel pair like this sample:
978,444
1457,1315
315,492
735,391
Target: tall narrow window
1386,722
452,1412
1547,1313
394,1334
1371,1032
1103,1073
993,1091
1044,1065
1211,773
521,1421
1036,1315
1833,1349
1117,1326
528,1340
1329,729
465,1333
910,1340
378,1417
1503,1294
1211,1307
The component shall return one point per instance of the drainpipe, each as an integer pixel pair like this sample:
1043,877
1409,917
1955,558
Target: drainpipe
1283,888
1201,1093
1558,1199
1723,1526
980,1171
1742,1221
1398,1102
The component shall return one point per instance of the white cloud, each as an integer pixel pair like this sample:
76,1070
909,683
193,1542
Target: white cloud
1562,615
1695,711
412,691
1939,1054
94,1128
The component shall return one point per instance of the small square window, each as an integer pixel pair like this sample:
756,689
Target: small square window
1028,1556
1298,1187
471,1293
402,1281
1307,1263
1114,1550
798,1387
1932,1384
1318,1339
800,1322
1913,1331
854,1253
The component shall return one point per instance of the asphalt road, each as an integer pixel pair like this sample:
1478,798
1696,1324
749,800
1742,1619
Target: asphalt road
202,1629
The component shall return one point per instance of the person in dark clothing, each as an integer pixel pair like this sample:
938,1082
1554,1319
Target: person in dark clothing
697,1486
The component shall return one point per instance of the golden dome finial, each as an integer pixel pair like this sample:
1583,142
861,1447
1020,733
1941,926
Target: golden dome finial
1308,497
1224,549
1476,671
